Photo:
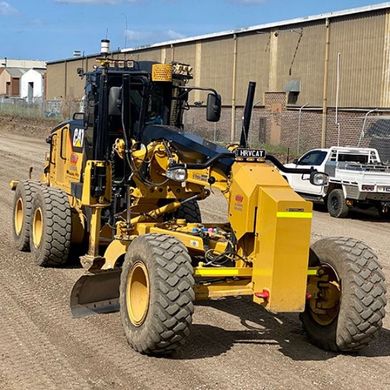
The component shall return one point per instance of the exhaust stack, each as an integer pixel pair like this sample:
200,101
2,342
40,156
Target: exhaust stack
246,119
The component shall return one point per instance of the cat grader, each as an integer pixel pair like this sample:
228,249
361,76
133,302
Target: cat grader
122,183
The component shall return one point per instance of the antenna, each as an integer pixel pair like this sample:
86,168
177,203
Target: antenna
125,31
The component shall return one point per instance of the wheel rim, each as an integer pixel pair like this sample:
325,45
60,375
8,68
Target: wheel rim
137,294
325,306
19,216
37,231
335,203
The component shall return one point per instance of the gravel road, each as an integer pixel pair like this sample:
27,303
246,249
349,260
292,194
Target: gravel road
234,344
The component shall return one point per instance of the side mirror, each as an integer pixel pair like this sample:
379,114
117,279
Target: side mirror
295,161
213,107
114,101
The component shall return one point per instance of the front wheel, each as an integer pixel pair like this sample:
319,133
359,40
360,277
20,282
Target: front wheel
51,227
348,298
337,207
156,294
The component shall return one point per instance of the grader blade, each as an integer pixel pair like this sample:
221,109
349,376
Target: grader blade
96,293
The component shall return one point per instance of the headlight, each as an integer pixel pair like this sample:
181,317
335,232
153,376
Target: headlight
177,174
319,178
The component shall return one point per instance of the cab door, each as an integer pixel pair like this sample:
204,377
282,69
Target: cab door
301,183
58,153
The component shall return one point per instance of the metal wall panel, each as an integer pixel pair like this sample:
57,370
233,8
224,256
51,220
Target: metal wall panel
300,56
272,59
252,65
75,85
185,54
146,55
217,67
55,79
360,41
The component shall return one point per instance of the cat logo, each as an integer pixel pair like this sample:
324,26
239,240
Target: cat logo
78,138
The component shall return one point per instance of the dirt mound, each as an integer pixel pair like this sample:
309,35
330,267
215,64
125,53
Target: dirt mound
37,128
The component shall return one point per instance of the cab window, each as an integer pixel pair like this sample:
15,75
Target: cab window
316,157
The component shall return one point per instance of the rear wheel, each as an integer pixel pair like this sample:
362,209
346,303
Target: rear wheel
347,303
23,198
336,204
51,226
156,294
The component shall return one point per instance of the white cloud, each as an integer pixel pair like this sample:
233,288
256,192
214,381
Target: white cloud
6,8
132,35
149,37
174,35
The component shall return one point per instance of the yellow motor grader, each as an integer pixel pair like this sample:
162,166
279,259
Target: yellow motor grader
122,182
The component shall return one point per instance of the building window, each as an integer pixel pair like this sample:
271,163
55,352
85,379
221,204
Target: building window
292,97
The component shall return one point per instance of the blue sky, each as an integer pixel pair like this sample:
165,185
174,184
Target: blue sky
53,29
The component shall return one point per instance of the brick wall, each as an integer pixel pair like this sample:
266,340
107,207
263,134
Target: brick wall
275,124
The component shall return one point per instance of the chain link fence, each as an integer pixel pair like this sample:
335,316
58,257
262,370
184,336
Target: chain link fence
289,132
57,109
292,132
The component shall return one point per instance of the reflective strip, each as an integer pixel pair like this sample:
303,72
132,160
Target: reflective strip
293,214
312,271
223,272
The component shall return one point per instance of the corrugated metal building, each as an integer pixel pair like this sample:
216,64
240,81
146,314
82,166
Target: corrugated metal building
338,58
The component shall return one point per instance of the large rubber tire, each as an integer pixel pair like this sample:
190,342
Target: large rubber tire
166,316
189,211
336,204
50,241
363,296
24,193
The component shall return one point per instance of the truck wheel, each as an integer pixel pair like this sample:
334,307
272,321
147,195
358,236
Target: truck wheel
336,204
344,313
24,194
51,227
383,213
189,211
156,294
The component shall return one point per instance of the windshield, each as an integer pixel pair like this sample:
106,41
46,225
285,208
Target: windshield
159,105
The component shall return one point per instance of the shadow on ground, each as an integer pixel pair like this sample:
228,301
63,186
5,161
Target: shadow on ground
264,328
370,214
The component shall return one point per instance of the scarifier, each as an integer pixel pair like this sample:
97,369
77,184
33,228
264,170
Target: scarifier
122,183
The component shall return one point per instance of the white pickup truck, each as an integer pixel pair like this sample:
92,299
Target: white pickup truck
357,178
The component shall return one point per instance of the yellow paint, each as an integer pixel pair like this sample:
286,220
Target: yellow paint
137,293
113,252
211,272
13,184
37,227
293,214
247,179
282,249
223,289
162,72
19,216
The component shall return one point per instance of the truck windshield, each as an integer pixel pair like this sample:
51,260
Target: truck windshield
359,158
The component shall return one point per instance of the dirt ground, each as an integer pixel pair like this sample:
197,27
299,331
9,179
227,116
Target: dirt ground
234,344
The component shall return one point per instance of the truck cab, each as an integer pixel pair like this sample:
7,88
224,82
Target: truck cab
357,177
